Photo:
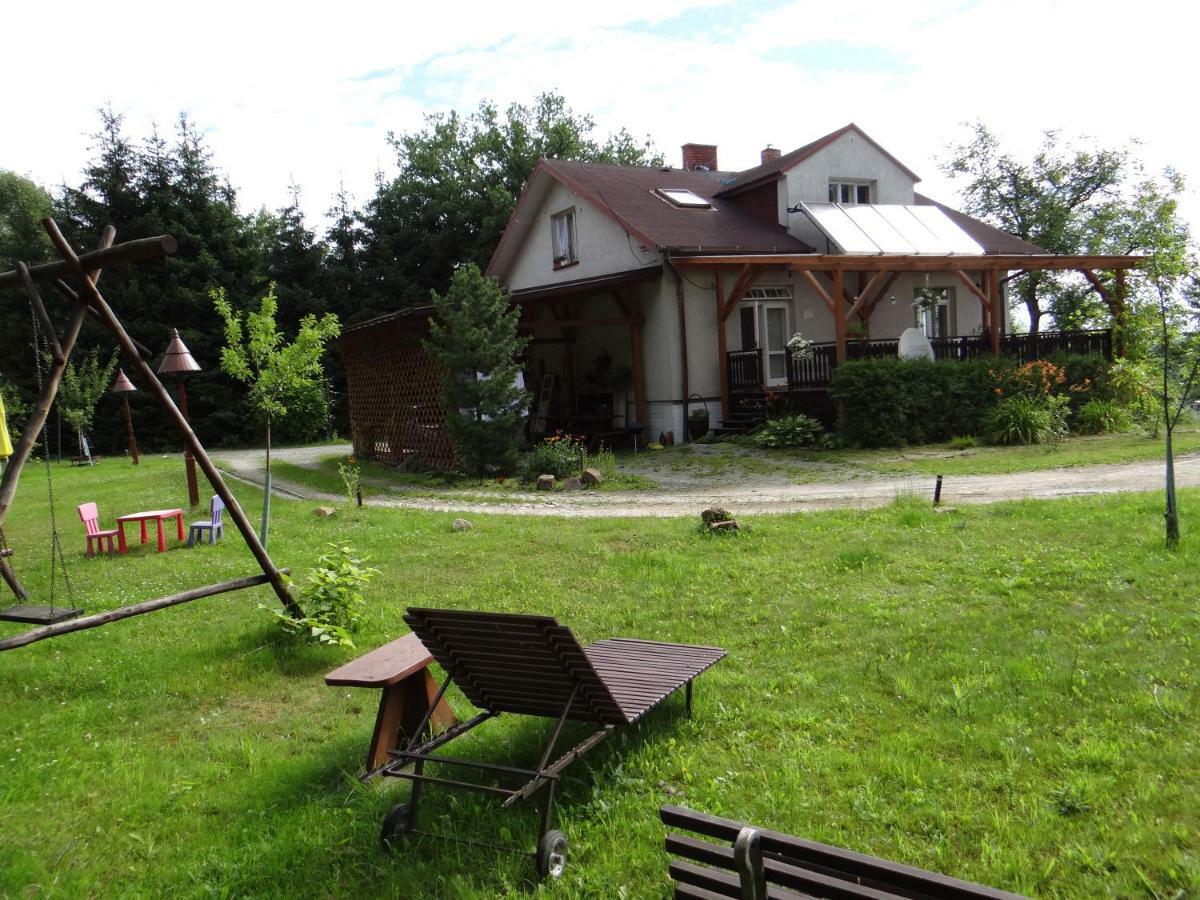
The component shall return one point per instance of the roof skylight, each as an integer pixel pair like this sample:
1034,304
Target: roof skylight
684,198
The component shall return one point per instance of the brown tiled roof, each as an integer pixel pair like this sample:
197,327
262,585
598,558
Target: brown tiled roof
626,193
991,239
771,170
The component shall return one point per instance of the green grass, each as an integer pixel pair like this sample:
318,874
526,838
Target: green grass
1005,693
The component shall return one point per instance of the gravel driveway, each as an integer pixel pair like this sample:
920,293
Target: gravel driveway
750,494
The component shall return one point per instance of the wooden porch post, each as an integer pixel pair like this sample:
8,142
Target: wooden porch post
1119,315
993,291
722,359
637,361
839,314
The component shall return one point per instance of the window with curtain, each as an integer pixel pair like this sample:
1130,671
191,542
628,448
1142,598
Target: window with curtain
562,229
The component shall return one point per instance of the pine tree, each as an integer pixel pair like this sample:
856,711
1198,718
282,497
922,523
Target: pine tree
474,339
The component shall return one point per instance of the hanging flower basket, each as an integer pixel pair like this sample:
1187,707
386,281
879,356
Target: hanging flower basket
697,423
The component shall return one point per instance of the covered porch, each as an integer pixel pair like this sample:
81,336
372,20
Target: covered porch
851,288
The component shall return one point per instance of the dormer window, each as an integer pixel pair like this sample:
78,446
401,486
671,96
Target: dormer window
562,233
683,198
849,191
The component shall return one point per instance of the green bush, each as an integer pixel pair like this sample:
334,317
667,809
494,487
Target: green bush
333,602
796,430
1026,420
891,402
560,455
963,442
1102,417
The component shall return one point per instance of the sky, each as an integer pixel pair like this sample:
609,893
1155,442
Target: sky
307,93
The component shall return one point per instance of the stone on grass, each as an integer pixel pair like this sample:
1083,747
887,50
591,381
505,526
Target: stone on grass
324,512
461,525
715,514
545,483
723,525
591,477
572,484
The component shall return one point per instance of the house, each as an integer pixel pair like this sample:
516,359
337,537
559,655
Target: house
649,291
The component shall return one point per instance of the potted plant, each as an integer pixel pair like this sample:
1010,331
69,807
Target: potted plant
697,423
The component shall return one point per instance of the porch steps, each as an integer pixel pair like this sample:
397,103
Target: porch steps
739,423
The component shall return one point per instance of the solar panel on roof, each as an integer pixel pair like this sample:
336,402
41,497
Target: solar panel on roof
838,227
878,229
893,228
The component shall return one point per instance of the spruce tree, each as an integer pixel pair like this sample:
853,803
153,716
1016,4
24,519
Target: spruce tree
474,339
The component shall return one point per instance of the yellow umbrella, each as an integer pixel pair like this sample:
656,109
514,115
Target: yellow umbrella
5,441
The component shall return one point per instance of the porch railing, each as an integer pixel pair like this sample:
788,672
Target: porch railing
746,373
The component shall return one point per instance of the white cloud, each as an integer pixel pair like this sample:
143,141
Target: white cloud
280,90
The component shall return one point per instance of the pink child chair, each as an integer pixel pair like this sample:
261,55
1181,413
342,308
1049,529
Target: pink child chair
89,515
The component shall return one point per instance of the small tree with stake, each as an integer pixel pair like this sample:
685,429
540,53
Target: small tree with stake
474,338
81,389
256,355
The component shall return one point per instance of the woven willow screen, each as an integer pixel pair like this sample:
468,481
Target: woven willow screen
393,389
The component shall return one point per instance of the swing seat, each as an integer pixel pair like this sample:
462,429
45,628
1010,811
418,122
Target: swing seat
89,515
33,614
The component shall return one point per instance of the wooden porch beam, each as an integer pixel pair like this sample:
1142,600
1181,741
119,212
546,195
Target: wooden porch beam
997,300
883,289
816,286
864,297
839,315
983,296
577,323
898,262
722,348
741,287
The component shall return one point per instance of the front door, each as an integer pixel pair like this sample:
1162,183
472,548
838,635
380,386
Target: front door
775,338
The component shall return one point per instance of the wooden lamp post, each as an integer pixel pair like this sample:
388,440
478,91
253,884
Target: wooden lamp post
124,387
176,361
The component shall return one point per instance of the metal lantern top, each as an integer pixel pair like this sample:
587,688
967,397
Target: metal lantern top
122,385
178,358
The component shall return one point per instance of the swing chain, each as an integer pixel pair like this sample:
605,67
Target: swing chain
41,350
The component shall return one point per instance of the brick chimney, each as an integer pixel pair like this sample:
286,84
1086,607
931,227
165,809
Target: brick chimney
700,156
770,154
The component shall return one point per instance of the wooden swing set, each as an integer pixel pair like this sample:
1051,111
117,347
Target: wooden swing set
84,270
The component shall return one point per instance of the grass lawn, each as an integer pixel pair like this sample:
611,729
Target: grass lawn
1005,693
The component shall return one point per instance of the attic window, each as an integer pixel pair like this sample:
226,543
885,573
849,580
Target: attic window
684,198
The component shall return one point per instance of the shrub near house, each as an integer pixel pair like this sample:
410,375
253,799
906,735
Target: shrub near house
892,402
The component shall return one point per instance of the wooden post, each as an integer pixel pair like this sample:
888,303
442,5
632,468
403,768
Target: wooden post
188,459
1119,320
722,357
839,314
637,356
108,317
133,451
997,298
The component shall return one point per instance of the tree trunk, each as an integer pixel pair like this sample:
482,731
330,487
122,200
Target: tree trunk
1172,513
1029,294
266,519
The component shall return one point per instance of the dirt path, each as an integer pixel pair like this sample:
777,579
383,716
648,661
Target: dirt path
749,496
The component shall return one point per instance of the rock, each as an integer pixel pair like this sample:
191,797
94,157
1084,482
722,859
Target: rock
461,525
715,514
545,483
591,477
324,512
723,526
572,484
944,509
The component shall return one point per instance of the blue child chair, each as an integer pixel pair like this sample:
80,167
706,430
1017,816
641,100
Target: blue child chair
214,527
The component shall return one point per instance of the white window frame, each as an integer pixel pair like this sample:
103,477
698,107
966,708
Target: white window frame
571,255
839,187
923,319
761,299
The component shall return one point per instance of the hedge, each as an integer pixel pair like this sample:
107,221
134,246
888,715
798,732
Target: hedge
892,402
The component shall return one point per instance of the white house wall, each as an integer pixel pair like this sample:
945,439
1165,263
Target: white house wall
603,246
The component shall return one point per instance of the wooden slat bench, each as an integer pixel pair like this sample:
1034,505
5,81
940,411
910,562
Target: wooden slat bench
756,864
401,670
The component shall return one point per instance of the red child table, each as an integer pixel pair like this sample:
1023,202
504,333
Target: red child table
159,516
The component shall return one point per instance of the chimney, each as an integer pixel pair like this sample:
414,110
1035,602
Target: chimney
700,156
770,154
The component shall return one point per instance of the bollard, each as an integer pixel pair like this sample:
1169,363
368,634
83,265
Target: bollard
937,492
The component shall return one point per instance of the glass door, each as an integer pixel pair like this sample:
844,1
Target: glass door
775,333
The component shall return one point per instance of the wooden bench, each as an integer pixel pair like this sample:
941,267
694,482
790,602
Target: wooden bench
401,670
755,864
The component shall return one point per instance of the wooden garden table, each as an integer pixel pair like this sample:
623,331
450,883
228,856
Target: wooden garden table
159,516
